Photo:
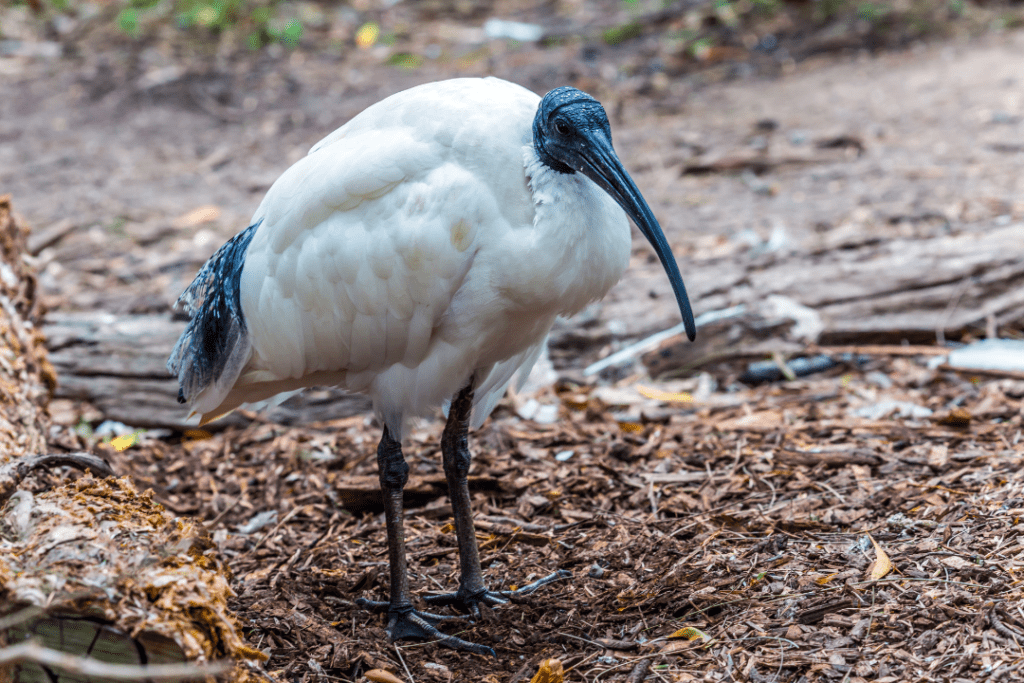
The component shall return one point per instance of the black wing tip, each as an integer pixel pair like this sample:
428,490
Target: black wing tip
217,324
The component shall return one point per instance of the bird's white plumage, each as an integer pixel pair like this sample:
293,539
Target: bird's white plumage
418,245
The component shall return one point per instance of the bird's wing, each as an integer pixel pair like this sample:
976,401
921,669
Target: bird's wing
360,254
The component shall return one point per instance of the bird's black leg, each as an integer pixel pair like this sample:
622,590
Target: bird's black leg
455,453
403,620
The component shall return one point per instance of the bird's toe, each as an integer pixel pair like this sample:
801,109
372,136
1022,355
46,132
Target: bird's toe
466,602
373,605
469,602
414,624
550,578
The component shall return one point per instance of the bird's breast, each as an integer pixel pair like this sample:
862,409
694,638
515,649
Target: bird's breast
576,248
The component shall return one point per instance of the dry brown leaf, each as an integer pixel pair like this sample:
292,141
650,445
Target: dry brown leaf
956,562
674,646
761,421
382,676
550,671
882,565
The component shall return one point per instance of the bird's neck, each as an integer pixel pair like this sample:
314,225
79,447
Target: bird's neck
580,240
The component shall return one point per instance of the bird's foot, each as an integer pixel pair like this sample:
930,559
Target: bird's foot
466,602
405,622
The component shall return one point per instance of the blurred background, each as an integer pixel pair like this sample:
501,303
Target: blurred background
856,163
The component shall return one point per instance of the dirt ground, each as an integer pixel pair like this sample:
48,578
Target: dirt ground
804,529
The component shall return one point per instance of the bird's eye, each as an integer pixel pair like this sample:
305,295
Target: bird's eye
561,127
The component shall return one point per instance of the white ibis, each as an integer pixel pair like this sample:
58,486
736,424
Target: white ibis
420,254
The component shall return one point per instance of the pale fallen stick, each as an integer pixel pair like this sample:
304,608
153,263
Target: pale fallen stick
652,342
87,666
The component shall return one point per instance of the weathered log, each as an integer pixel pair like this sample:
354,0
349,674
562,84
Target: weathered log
91,571
113,576
897,292
26,376
908,288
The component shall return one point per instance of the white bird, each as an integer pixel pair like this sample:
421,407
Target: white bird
420,254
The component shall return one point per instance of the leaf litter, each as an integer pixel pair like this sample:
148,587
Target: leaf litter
773,536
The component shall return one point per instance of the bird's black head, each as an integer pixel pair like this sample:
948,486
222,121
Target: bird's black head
570,134
565,121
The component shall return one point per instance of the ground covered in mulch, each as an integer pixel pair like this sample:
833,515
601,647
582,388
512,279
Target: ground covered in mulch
766,518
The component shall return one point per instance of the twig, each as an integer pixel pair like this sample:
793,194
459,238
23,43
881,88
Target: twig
212,524
1002,629
511,521
574,666
778,638
585,640
880,350
604,643
277,527
897,579
645,345
408,673
639,671
88,667
787,372
831,490
940,328
616,667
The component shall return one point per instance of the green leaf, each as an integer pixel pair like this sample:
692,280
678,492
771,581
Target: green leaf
292,33
128,21
405,60
619,34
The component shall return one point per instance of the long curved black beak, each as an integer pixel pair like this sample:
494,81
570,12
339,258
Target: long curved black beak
599,162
